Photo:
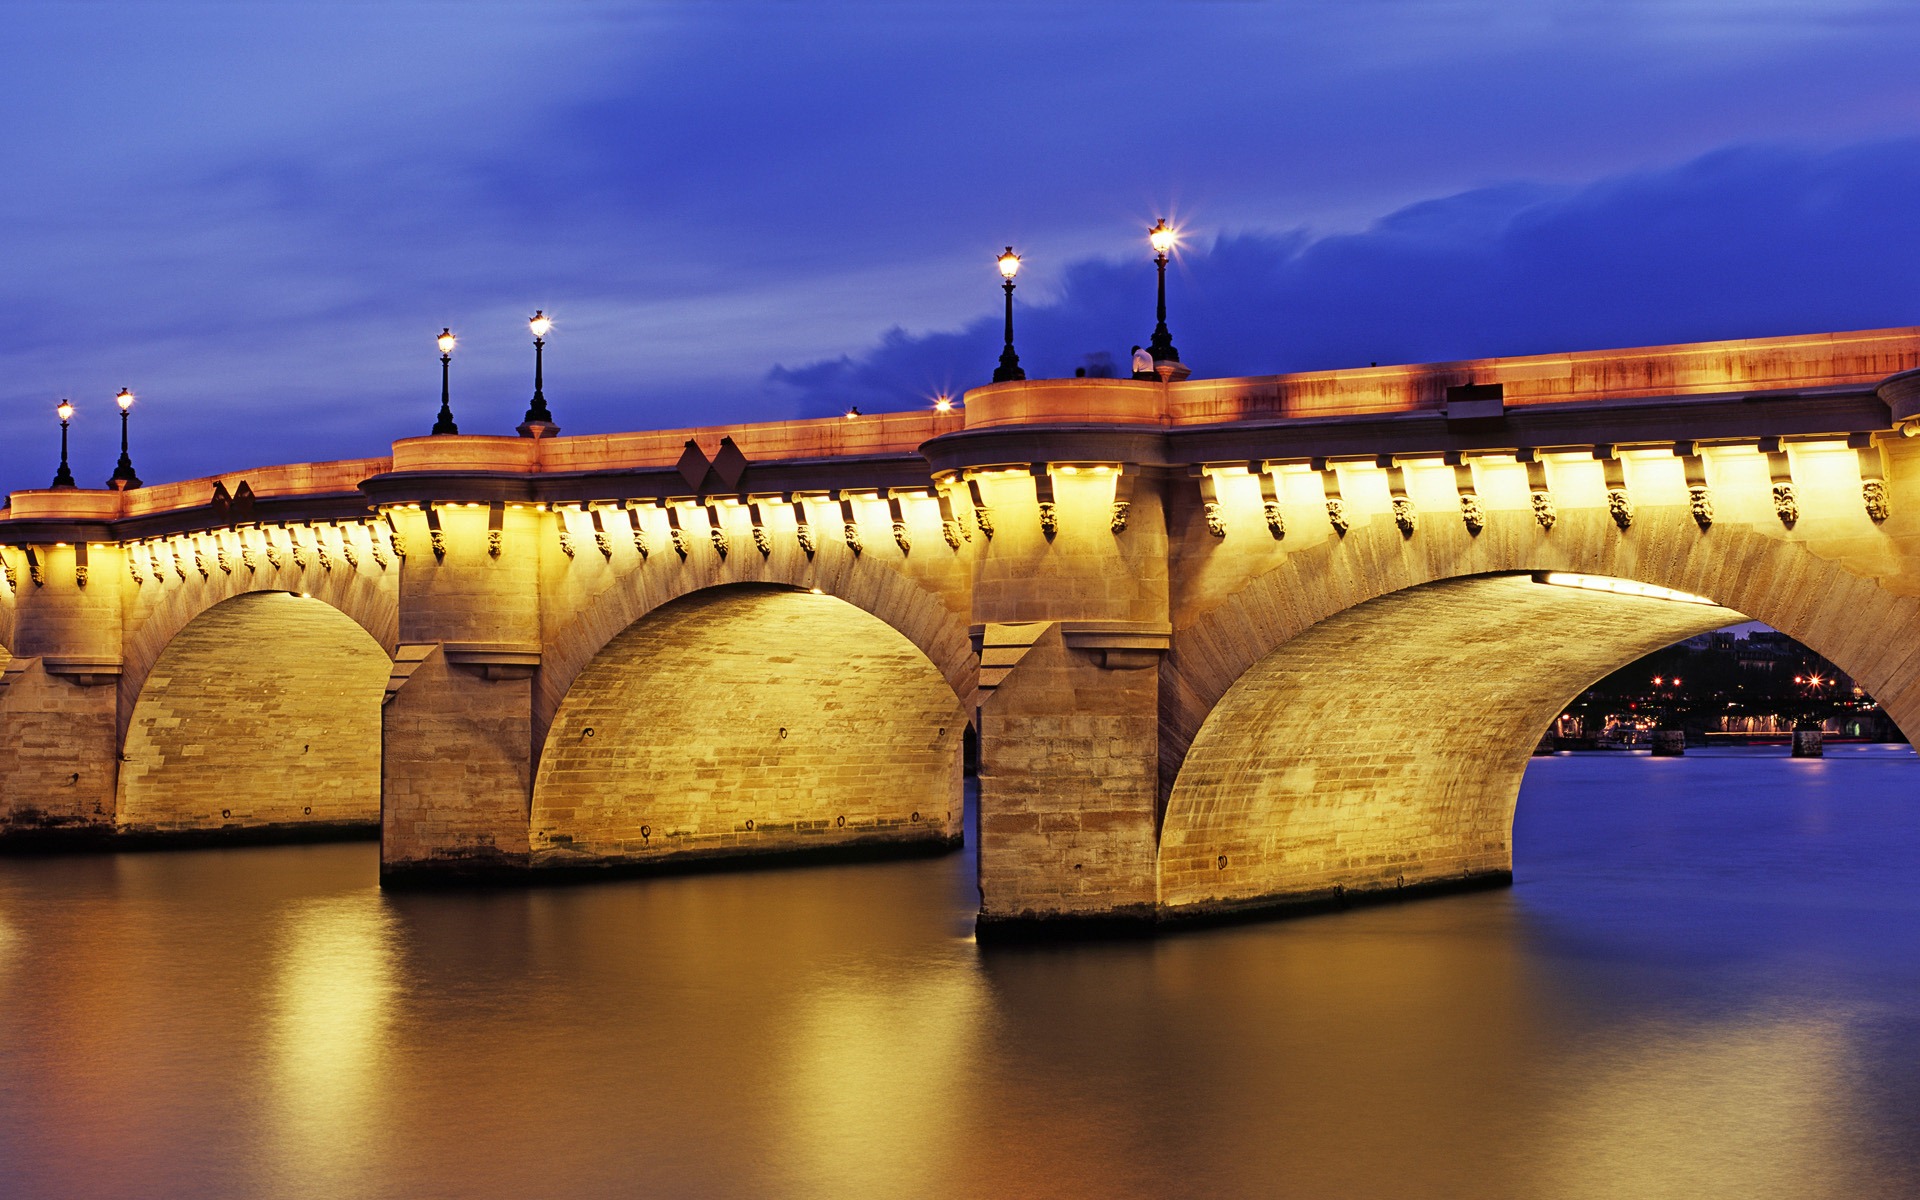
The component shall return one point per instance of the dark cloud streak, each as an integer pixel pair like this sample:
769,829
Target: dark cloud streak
1745,242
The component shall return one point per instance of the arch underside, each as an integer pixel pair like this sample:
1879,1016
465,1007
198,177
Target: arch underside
1384,746
263,711
749,719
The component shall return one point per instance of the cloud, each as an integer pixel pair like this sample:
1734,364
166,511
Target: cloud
1749,241
265,215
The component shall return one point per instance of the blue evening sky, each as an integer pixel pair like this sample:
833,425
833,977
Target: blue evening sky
258,215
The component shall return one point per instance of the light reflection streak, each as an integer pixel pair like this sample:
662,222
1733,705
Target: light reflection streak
1754,1109
330,1011
876,1079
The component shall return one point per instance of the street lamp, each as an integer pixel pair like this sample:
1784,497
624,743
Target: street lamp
1009,367
445,422
123,477
1162,236
538,422
63,478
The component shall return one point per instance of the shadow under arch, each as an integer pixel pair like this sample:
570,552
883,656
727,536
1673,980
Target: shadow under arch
263,713
747,719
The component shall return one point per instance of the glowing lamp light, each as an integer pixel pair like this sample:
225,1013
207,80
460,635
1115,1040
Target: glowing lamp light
1009,368
1163,236
446,340
124,399
943,404
65,409
540,323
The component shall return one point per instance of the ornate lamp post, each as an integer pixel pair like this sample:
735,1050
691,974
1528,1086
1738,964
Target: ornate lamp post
123,477
63,478
1162,236
1009,367
538,422
445,422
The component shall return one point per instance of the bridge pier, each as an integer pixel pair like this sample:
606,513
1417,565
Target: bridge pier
58,703
457,747
1070,595
1069,771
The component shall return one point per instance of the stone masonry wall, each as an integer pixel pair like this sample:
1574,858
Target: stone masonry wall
58,740
1067,769
1836,580
749,719
1384,746
56,752
265,710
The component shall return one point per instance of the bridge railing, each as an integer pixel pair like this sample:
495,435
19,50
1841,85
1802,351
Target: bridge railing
1782,364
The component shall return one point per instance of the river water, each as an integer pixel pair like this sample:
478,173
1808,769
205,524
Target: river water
1705,982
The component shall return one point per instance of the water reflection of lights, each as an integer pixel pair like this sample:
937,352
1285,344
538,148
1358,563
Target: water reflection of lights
877,1064
1755,1110
331,1007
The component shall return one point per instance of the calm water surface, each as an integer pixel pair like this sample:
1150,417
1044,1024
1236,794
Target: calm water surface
1706,982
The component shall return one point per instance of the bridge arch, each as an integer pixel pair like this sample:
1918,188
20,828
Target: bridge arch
161,610
1315,739
747,718
262,711
916,607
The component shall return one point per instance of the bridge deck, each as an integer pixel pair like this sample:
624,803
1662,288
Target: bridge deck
1729,368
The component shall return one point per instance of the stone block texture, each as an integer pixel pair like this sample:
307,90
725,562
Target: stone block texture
1383,747
265,710
57,752
749,719
456,763
1068,762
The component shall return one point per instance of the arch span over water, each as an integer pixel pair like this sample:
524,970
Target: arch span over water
1384,746
747,718
262,711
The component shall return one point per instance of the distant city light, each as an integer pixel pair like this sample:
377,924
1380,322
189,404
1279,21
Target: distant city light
1621,587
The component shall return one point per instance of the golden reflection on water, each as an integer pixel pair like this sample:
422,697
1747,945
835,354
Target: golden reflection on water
1753,1110
267,1023
332,1002
877,1075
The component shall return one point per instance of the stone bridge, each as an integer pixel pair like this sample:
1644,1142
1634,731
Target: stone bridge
1224,643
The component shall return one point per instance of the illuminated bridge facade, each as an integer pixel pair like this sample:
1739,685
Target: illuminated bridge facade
1223,643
